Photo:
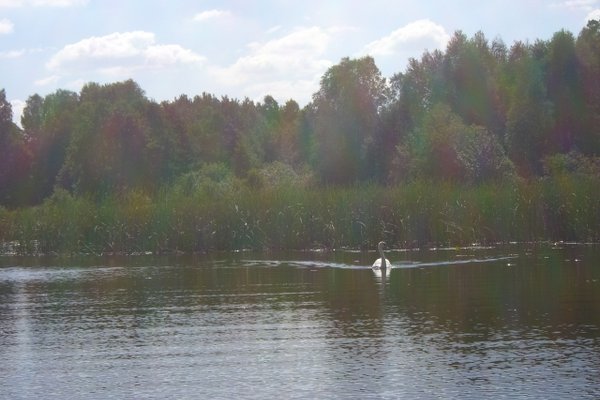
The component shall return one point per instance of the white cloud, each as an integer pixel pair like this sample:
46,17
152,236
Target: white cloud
113,46
586,5
59,3
50,80
594,14
41,3
294,54
416,36
17,108
169,54
287,65
120,54
211,14
11,3
11,54
76,85
6,26
273,29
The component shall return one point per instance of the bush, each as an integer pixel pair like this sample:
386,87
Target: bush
278,174
444,148
571,163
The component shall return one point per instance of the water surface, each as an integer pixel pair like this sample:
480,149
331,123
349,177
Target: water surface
515,322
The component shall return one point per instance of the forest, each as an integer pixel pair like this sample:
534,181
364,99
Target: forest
480,142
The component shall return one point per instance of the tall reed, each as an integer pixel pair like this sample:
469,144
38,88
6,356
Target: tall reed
294,217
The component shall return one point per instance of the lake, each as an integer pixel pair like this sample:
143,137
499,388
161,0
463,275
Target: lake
519,321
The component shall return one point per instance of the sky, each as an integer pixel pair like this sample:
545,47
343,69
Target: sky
244,48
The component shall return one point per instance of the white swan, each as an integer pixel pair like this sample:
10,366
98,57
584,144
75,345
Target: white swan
382,262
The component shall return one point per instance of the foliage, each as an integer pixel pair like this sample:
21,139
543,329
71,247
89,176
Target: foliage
587,49
444,148
346,122
211,179
477,141
529,117
278,174
420,213
15,159
477,112
571,163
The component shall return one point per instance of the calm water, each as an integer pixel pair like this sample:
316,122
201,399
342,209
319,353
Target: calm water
453,323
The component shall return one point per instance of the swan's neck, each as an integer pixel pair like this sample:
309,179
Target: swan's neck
383,263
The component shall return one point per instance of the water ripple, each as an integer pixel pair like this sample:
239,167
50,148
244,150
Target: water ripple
303,329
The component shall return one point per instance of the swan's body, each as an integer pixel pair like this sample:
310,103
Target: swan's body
382,262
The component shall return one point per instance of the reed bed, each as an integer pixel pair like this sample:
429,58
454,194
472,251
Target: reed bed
563,208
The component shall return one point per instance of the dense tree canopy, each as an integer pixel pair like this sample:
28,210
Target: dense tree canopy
476,112
15,158
346,121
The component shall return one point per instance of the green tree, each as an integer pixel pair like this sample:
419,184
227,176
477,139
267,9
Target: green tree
433,146
289,146
563,86
530,117
482,156
48,123
588,55
194,128
414,92
347,124
271,114
283,124
14,158
445,148
108,146
471,77
411,97
33,115
5,115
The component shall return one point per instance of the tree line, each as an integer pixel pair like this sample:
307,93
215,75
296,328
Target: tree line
478,112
